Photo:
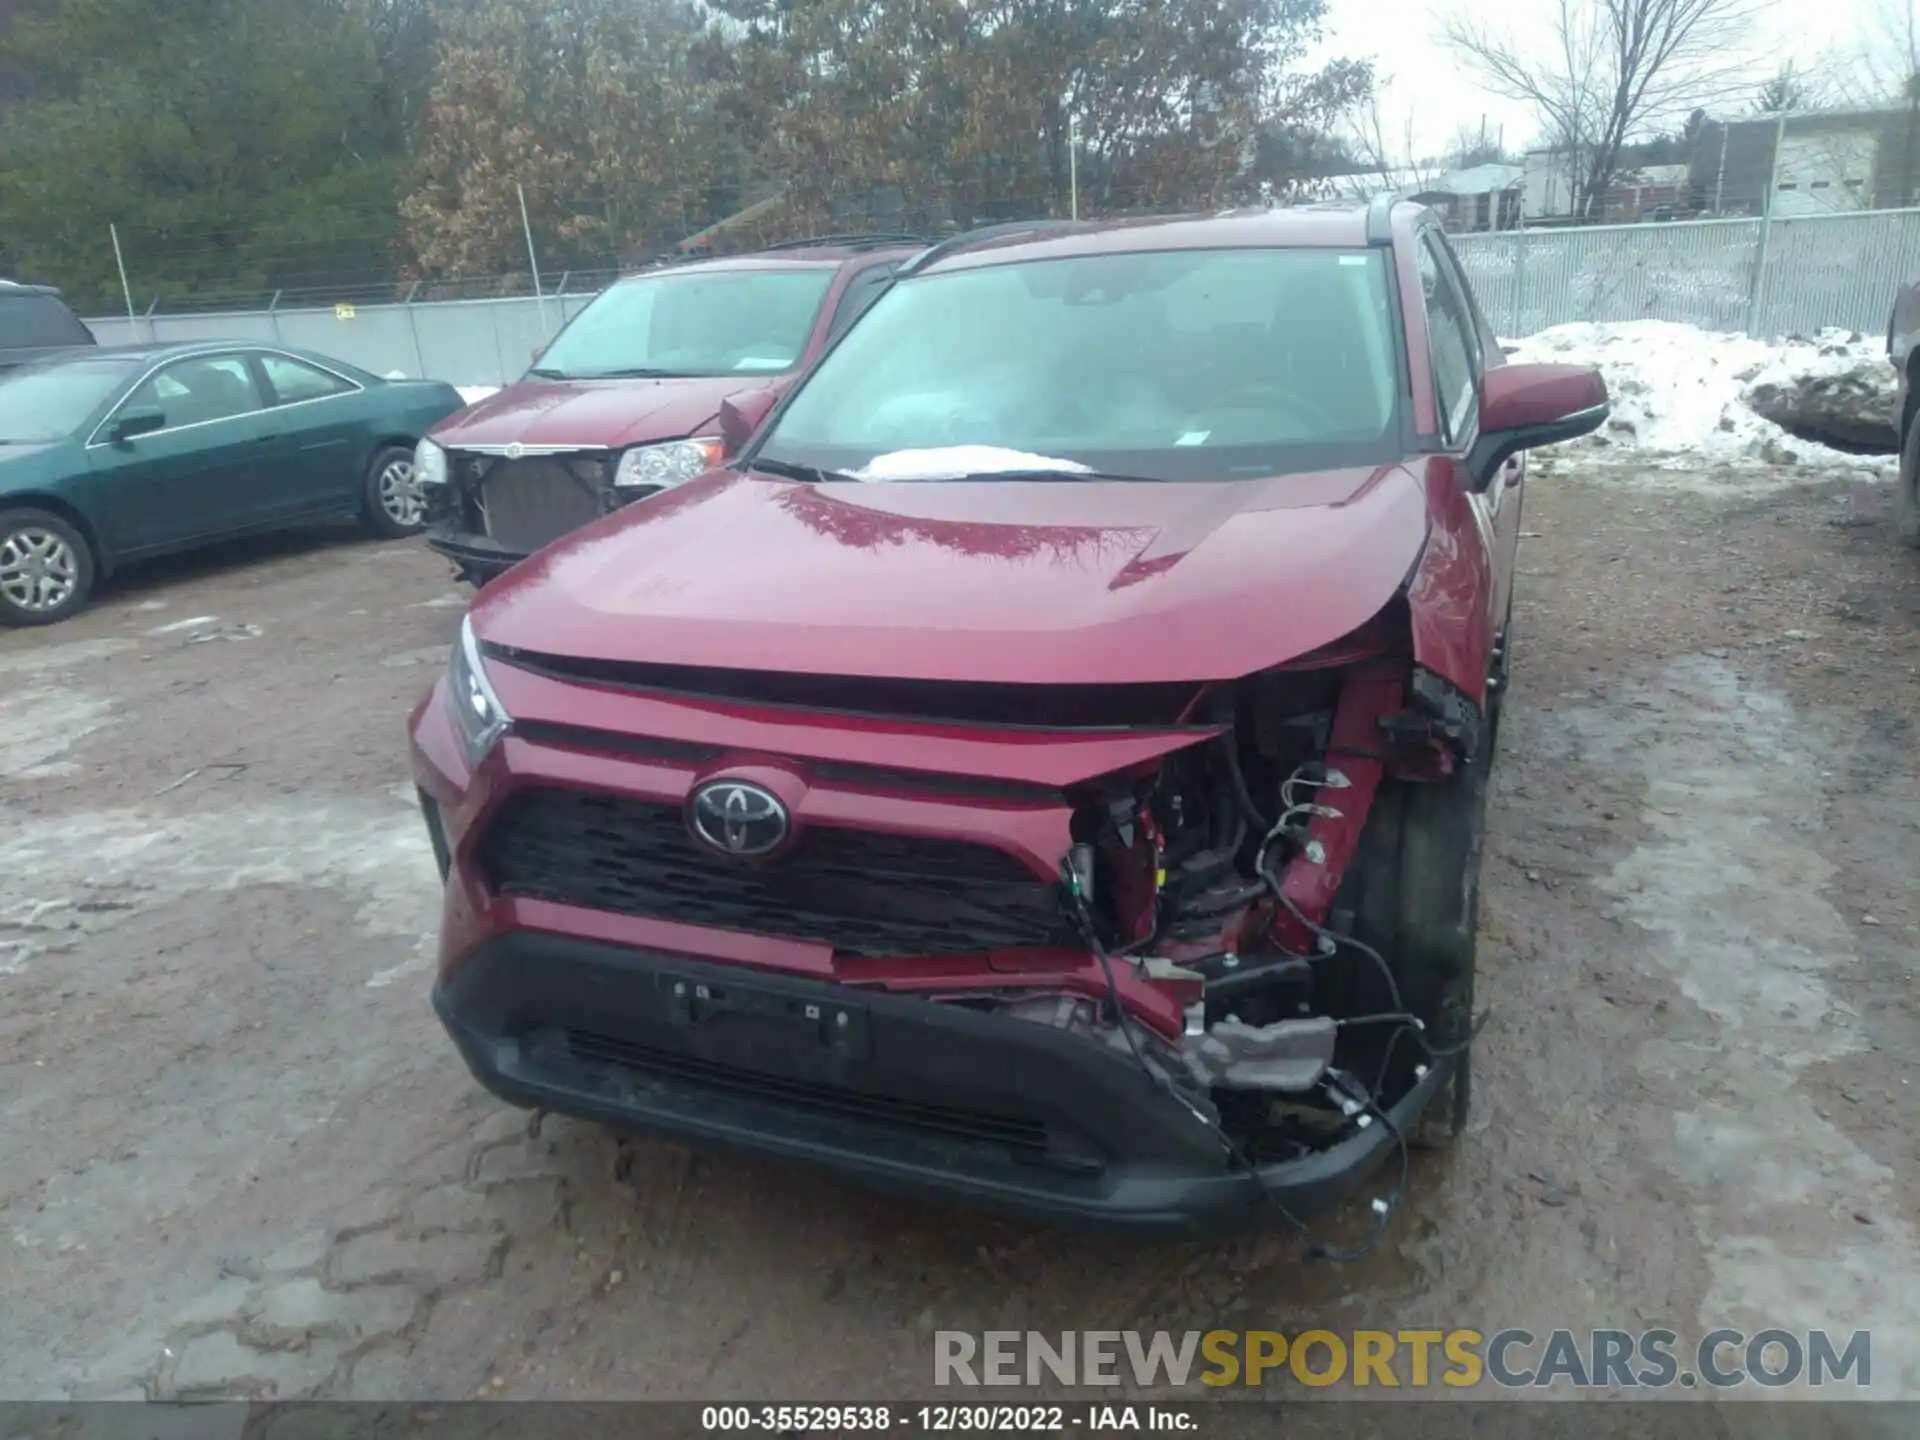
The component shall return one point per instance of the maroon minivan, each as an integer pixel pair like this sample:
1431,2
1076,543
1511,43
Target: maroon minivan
624,403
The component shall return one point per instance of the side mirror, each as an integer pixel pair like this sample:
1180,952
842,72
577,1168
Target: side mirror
1523,407
137,420
741,415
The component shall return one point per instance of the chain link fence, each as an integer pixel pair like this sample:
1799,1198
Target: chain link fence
1768,279
1764,278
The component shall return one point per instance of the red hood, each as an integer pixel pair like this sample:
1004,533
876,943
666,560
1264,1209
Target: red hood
981,581
589,413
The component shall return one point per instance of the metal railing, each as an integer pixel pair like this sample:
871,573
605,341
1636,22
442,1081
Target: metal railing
1809,272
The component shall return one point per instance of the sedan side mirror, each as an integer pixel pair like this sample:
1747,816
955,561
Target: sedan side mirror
741,415
138,420
1523,407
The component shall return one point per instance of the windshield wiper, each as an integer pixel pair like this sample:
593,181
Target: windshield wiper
636,372
1038,473
793,470
546,374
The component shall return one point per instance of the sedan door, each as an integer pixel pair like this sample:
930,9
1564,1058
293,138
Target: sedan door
205,472
319,412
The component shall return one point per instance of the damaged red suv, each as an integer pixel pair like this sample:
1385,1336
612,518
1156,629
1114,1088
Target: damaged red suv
1046,765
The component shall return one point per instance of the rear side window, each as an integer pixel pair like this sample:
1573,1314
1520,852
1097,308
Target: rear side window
33,322
295,380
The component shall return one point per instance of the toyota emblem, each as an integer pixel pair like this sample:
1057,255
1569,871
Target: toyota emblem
732,817
515,450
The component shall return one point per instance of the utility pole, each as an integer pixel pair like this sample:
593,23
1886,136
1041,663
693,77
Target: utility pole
1757,295
533,259
120,261
1073,165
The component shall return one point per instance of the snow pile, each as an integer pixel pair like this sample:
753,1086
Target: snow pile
1836,387
1681,394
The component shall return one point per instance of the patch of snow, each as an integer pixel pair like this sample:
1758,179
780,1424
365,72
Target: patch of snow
1679,398
950,462
474,394
40,727
192,622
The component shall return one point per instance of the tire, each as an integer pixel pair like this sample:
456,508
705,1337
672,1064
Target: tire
1416,900
1906,506
392,503
47,569
1499,678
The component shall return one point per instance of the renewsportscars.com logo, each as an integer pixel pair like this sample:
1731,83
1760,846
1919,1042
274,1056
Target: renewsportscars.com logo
1512,1359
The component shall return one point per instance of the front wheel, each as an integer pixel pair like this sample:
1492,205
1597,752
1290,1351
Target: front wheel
46,568
394,506
1418,903
1906,508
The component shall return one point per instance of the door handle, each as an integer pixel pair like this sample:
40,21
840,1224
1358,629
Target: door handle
266,439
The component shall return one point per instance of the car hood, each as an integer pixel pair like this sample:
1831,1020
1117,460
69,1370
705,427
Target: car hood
594,413
1017,582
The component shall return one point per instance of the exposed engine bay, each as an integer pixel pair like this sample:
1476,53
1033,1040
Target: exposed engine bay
1233,874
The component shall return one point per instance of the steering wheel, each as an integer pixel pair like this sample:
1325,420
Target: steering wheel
1273,397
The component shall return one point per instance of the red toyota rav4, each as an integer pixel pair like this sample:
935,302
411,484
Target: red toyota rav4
623,403
1046,765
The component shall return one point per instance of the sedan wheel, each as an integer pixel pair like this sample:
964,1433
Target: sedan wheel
46,569
399,496
38,570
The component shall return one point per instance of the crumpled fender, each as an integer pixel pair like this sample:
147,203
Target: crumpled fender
1449,597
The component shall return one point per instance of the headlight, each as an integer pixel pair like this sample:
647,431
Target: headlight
429,464
660,466
477,712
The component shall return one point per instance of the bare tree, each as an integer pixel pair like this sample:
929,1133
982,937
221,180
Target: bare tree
1394,155
1616,69
1890,63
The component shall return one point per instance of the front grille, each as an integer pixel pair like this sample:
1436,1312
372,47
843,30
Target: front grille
861,892
1024,1136
532,502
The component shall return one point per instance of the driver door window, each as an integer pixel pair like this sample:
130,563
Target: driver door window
1452,346
198,390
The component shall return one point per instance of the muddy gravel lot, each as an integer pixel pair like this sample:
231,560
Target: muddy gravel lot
238,1157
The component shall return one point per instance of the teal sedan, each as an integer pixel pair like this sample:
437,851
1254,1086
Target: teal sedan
111,455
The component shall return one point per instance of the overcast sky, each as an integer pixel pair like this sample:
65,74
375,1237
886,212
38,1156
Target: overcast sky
1401,37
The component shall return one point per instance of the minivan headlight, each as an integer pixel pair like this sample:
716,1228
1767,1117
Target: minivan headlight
659,467
429,464
477,712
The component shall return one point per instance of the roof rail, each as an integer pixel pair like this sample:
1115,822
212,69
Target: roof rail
850,242
1380,218
985,232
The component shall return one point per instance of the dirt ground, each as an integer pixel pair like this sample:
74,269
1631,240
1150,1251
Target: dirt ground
237,1155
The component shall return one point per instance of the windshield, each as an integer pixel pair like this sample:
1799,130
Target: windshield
42,403
722,322
1175,365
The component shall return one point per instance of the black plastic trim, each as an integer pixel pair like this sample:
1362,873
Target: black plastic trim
1164,1174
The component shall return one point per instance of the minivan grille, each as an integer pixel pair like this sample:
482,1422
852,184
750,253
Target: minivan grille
532,502
862,892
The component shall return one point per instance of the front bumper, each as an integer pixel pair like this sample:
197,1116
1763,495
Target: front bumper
479,557
906,1094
